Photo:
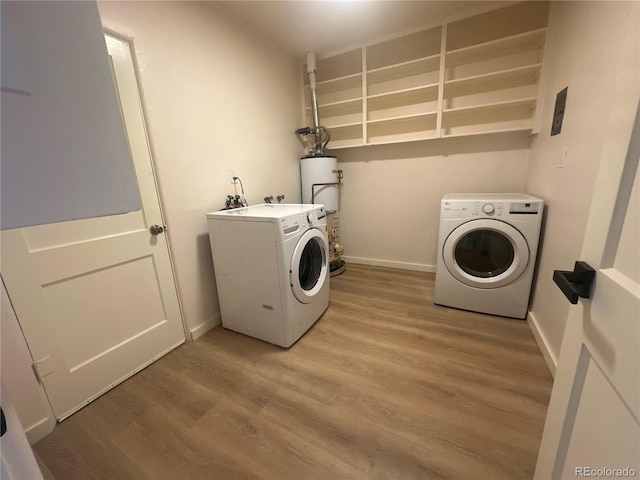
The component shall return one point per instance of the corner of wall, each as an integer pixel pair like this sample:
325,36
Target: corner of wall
39,429
204,327
543,343
19,382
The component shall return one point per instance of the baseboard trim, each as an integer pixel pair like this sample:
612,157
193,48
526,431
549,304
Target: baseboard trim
39,429
417,267
543,344
204,327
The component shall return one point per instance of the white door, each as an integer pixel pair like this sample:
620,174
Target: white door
592,427
96,298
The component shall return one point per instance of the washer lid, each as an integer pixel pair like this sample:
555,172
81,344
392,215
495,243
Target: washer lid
486,253
265,212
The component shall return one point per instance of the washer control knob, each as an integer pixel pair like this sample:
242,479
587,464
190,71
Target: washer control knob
488,208
312,217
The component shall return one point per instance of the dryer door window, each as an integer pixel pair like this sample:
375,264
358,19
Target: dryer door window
486,253
309,265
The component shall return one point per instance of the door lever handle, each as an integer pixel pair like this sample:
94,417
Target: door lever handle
577,283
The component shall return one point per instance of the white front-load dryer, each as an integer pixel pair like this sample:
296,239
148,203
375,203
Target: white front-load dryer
487,247
271,267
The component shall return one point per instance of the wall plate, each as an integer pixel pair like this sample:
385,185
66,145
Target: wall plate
558,111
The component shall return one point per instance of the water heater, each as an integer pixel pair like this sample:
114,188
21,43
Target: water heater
315,175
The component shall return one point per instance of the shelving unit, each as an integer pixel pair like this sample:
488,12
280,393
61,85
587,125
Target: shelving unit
402,84
340,98
488,118
402,129
505,85
497,24
414,73
340,113
473,76
501,47
407,48
338,89
492,67
411,101
346,136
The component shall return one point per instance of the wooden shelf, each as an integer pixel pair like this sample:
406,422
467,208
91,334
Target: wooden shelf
346,136
402,49
336,84
341,106
522,42
416,73
406,104
334,67
505,116
497,24
345,124
514,77
408,118
404,69
525,102
340,101
404,97
338,114
427,135
523,130
338,90
401,129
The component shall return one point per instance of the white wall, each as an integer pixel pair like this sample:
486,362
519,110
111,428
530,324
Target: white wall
583,52
216,96
18,379
17,460
391,194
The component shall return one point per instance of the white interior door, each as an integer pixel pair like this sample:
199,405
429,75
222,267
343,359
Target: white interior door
592,427
96,298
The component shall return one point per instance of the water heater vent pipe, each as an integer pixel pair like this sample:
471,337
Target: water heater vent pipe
314,139
311,72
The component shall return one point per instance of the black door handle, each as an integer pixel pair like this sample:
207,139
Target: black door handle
577,283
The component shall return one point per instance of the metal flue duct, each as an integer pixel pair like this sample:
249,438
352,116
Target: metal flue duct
315,138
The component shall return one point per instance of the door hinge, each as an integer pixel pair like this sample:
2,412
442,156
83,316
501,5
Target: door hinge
43,367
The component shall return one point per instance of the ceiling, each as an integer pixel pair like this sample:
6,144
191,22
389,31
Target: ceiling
326,26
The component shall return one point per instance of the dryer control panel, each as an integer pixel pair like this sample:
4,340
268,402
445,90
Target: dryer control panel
497,206
302,221
488,209
526,208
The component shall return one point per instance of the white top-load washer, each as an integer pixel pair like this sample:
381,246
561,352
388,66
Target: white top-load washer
271,266
487,247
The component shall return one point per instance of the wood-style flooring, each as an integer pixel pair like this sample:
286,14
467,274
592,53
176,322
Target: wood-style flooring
386,385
